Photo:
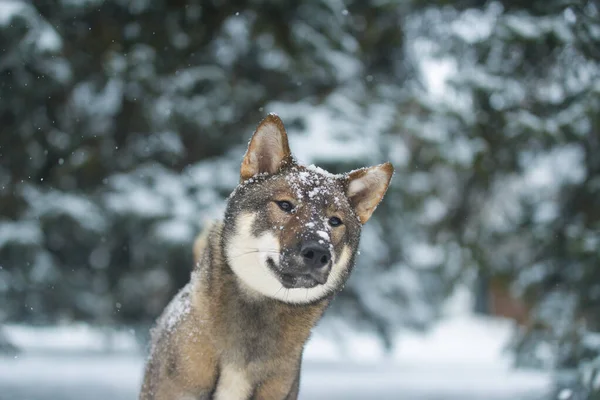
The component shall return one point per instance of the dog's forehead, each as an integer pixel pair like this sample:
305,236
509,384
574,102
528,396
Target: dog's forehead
313,184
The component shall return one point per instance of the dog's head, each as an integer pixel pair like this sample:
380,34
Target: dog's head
291,232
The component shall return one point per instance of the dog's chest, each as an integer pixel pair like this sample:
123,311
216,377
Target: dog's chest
234,383
251,333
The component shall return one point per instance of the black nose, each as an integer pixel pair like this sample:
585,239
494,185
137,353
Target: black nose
315,255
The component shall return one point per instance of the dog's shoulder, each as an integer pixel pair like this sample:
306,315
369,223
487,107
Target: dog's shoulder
181,363
181,308
176,311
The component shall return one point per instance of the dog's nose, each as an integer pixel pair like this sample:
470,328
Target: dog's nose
315,255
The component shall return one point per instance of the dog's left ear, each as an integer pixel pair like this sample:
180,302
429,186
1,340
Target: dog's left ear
268,149
366,187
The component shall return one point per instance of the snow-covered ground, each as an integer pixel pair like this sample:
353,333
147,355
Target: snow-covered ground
116,377
460,358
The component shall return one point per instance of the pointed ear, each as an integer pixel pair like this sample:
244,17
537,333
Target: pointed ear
366,187
268,149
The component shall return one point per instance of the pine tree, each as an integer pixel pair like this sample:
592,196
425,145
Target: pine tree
525,98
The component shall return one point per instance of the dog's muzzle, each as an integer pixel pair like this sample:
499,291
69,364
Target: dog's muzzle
312,270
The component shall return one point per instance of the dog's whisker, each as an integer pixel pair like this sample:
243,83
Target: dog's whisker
259,250
278,290
254,248
255,251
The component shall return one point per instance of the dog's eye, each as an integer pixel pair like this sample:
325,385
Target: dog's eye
335,221
285,206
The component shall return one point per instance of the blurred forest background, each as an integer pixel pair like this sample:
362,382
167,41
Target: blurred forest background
123,123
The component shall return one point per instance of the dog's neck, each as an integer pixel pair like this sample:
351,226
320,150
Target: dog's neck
262,327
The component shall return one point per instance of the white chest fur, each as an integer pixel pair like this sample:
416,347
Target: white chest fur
233,384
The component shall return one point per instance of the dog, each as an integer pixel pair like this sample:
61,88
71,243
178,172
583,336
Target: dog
264,275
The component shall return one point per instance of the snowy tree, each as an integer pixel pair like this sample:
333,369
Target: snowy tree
523,102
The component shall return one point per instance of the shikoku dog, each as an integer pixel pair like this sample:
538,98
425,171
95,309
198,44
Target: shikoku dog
263,277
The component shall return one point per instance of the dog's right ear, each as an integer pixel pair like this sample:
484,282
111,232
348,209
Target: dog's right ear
268,149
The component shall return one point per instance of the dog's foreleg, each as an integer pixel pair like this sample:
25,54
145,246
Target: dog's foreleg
283,386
